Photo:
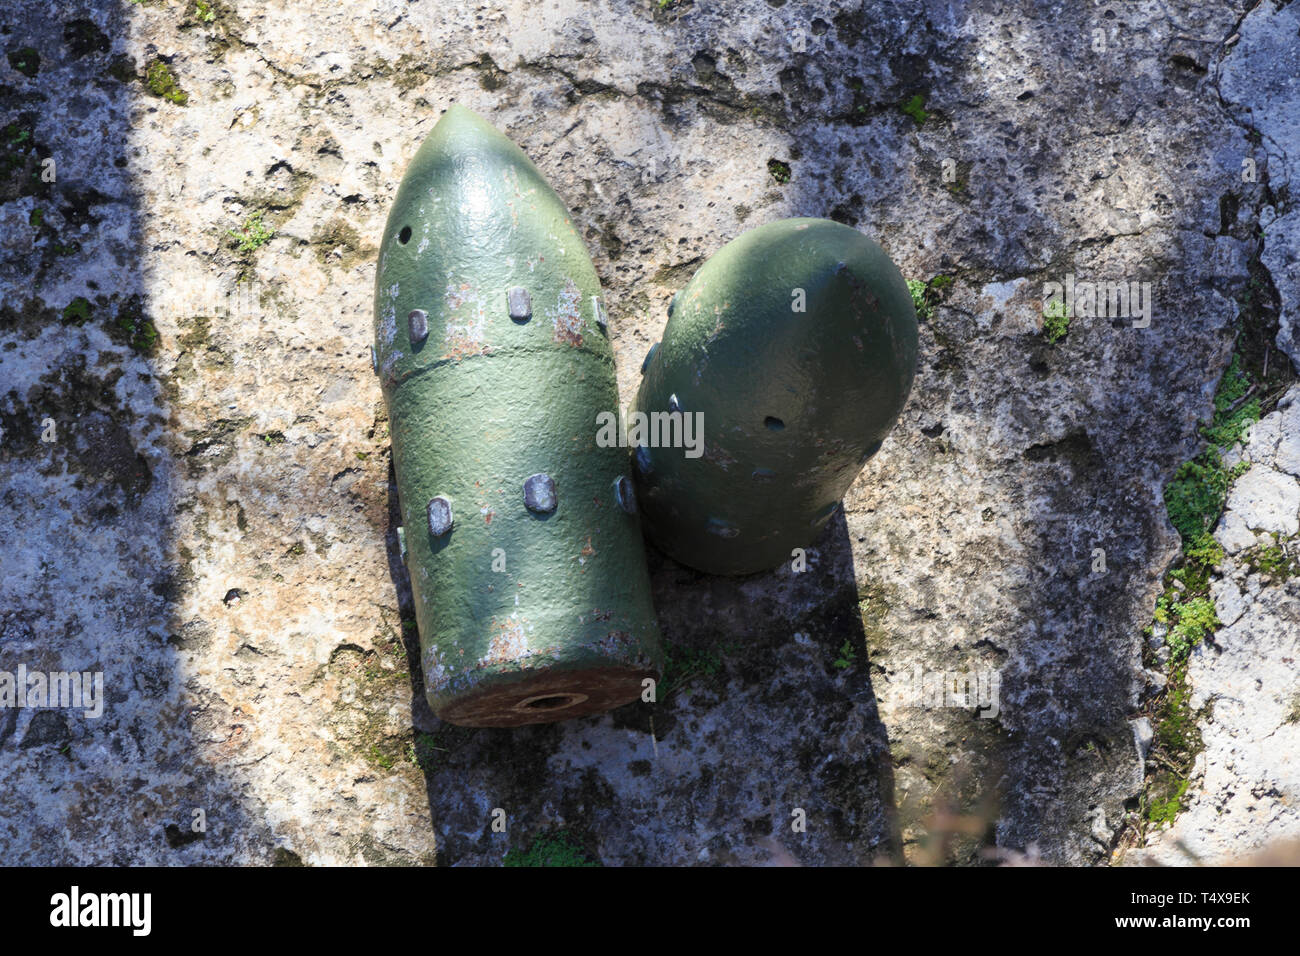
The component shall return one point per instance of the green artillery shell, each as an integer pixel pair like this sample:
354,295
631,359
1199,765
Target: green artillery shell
526,561
792,350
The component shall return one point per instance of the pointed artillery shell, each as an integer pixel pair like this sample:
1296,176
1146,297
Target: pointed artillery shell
529,575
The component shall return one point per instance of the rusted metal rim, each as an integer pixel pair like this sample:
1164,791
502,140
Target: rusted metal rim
548,696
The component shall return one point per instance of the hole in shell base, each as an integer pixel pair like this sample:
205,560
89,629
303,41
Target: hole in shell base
550,701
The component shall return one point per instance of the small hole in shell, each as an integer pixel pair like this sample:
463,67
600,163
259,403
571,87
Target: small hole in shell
550,703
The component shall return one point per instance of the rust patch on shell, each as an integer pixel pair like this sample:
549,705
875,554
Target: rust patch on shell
464,335
509,642
457,295
566,317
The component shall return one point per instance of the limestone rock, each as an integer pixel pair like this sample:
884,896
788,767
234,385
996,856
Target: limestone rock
192,306
1266,500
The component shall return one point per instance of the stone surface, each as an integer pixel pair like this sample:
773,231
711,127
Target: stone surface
1262,81
1264,499
219,427
1229,601
1286,453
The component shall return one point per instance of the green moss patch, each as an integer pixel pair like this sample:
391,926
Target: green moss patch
847,658
928,293
1236,407
1195,499
779,170
161,82
131,326
684,666
559,848
77,311
1197,494
914,106
1278,560
1176,744
1056,321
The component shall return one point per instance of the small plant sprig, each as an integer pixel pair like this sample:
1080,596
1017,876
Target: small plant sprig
914,106
253,234
780,170
551,849
1055,321
927,294
848,656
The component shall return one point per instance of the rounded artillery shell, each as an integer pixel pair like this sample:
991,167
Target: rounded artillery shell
786,359
534,602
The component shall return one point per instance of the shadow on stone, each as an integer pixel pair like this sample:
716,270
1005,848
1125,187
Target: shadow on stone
89,502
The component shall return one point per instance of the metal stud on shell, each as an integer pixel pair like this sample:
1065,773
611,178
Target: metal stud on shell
419,323
519,304
440,517
539,493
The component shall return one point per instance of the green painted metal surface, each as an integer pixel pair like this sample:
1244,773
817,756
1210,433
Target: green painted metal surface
530,583
793,403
